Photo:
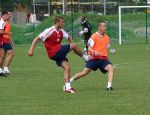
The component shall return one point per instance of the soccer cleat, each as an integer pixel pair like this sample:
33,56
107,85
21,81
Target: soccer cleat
109,89
3,74
68,90
6,72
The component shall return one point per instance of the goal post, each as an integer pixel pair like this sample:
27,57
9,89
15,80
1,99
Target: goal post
120,19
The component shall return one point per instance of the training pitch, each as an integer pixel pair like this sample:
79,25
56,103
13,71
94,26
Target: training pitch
35,86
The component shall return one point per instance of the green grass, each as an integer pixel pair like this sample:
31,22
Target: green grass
35,85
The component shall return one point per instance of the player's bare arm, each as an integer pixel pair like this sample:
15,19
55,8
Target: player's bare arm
94,53
70,40
5,33
31,50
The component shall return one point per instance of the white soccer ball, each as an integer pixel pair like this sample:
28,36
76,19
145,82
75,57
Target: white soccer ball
112,51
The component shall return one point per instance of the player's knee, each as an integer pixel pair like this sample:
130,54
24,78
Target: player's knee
110,68
67,68
12,54
2,56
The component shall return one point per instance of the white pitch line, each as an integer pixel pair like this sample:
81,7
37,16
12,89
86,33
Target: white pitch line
28,69
141,68
128,63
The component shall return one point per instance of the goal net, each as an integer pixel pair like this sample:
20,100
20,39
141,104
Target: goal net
134,24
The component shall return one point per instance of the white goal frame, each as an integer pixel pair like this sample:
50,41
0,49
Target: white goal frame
125,7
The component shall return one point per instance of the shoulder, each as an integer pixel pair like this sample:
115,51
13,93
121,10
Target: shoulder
7,23
49,30
2,21
52,28
63,31
94,36
107,36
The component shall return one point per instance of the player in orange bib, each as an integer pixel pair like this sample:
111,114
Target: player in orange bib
98,44
2,32
7,46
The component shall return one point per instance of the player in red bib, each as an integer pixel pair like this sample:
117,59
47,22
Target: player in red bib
52,38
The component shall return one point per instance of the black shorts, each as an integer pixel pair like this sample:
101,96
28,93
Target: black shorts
61,54
99,63
7,47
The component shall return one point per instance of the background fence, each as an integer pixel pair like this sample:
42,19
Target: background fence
135,24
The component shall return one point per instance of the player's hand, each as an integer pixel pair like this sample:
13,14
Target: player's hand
10,33
12,44
81,33
30,53
96,53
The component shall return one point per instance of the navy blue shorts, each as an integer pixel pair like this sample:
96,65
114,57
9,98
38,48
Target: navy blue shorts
7,47
99,63
61,54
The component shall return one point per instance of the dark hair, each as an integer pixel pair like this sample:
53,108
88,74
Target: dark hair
83,18
4,13
101,21
58,18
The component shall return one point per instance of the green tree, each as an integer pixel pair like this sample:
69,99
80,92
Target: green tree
9,5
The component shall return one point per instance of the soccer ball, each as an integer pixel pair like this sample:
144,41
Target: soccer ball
112,51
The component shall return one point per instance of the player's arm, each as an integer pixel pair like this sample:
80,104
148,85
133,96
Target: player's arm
5,33
70,40
42,36
11,41
94,53
66,35
89,26
34,42
90,45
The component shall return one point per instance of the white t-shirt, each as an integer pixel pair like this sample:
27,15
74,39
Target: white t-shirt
2,24
48,32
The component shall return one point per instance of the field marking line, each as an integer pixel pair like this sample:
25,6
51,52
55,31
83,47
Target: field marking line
128,63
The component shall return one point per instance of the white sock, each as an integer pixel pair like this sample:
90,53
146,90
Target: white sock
5,68
68,86
1,70
109,84
71,80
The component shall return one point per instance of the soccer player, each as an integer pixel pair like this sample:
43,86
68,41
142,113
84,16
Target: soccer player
98,44
7,46
86,31
2,32
52,38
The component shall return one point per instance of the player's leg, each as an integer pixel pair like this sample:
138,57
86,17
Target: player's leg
67,88
9,57
109,68
78,51
65,65
84,72
90,65
106,66
2,56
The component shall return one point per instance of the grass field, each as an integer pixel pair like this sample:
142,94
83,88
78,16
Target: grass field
35,85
